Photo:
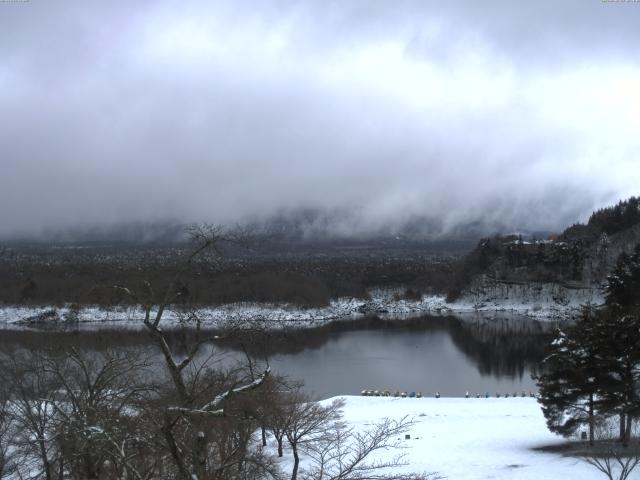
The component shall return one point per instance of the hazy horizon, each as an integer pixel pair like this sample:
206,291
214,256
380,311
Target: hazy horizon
523,115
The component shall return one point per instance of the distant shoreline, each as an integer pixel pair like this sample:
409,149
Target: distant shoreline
282,316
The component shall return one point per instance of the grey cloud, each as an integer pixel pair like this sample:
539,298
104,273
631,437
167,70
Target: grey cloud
455,111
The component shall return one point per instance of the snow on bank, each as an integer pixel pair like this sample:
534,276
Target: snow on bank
532,299
238,313
470,439
384,303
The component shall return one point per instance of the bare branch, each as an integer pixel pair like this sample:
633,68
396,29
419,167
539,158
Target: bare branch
213,408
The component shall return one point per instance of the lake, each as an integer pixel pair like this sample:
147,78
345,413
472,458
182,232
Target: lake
449,355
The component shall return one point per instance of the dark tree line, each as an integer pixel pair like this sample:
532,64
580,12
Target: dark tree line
53,275
616,218
609,220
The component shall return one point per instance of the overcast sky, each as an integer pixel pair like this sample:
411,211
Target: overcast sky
525,112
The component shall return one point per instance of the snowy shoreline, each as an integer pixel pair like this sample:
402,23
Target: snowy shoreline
382,303
467,439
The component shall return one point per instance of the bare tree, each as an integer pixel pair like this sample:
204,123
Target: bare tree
614,459
7,432
188,426
275,412
74,414
30,396
346,454
614,462
305,422
98,414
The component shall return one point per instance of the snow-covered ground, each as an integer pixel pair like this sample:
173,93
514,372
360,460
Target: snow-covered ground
382,303
472,439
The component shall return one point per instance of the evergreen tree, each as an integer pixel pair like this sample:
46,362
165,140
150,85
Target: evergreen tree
619,342
616,218
594,367
618,346
568,388
623,285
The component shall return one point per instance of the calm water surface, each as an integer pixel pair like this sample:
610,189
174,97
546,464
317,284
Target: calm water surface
449,356
428,354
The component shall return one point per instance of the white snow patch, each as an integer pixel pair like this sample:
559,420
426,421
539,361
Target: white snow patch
548,303
470,439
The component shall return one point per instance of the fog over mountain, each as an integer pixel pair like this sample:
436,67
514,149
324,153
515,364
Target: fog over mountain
521,114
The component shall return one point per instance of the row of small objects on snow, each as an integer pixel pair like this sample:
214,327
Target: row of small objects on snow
397,393
387,393
522,394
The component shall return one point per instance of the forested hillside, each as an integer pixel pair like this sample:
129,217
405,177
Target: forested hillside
580,257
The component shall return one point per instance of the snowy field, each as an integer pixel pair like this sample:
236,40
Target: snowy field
472,439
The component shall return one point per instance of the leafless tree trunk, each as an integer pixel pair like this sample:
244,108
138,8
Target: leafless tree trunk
190,410
592,420
306,421
263,434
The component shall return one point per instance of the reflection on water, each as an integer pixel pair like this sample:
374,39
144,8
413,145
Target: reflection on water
449,355
446,354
